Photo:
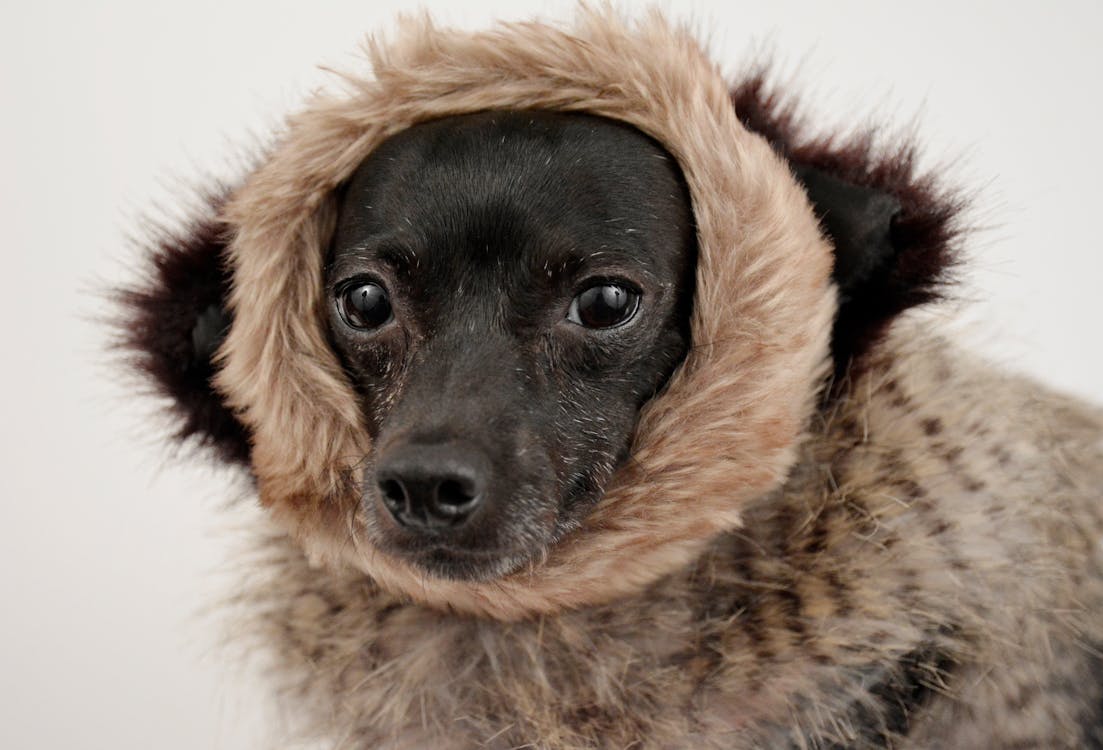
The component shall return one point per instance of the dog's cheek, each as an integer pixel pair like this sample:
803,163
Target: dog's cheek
593,428
659,364
603,384
377,372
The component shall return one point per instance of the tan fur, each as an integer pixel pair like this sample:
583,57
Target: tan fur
763,572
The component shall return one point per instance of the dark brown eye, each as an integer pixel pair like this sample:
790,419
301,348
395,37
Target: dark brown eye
604,306
364,305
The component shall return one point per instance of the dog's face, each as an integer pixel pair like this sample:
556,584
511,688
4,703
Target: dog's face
506,290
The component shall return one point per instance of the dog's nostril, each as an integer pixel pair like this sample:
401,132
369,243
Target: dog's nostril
394,494
454,496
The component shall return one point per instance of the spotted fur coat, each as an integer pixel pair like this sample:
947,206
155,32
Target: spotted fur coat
835,530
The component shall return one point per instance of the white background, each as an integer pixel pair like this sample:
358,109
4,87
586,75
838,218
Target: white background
111,549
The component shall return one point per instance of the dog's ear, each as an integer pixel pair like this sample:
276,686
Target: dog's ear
895,233
172,322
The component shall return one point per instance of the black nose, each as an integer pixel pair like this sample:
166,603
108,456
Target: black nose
435,486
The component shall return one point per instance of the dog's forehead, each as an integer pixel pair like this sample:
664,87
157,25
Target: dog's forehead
542,189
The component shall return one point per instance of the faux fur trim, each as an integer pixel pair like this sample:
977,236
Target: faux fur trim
727,427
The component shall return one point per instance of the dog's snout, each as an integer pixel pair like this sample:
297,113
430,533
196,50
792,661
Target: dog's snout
438,486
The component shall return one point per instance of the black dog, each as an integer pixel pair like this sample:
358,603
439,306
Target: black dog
508,289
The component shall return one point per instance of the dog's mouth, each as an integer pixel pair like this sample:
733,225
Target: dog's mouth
497,545
498,550
476,560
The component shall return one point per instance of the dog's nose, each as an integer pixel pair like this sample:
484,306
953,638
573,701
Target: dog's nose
432,486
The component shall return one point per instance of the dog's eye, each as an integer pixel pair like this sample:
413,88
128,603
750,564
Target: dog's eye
364,305
604,306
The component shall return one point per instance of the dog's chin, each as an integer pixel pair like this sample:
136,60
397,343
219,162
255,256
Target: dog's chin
462,565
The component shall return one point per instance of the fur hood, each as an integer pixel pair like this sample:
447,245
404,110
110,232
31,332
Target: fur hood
760,330
726,429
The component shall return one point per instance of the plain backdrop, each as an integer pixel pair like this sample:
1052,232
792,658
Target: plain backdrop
112,551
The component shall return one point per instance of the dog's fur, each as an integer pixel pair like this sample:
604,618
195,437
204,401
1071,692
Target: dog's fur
906,554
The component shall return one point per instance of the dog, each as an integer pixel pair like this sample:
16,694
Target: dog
578,385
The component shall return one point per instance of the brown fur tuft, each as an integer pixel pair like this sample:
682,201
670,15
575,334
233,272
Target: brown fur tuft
170,323
926,232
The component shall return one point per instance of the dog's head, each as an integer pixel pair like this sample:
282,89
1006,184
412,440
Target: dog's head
526,318
505,291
